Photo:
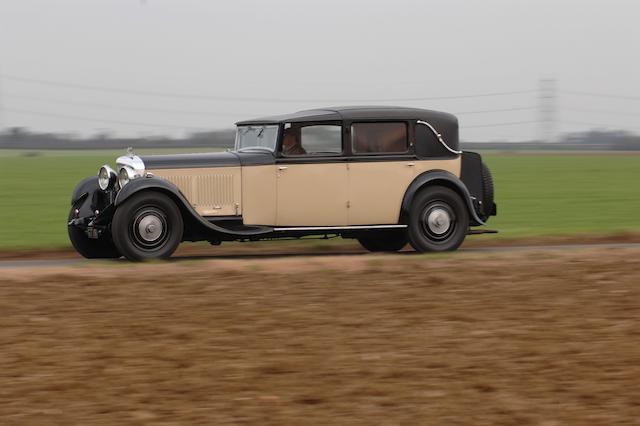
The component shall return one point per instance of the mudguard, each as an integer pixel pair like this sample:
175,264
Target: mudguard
86,187
438,177
161,185
86,197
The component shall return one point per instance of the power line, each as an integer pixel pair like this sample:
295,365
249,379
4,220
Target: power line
136,123
266,99
438,98
100,120
57,115
599,111
248,99
119,90
601,95
157,125
592,124
512,123
495,110
200,113
130,108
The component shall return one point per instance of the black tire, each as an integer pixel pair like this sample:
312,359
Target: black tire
102,248
385,241
438,220
487,190
147,226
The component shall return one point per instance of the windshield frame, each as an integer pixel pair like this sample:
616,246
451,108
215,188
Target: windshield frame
264,126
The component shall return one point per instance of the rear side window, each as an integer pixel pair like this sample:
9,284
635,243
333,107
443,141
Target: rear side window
379,138
322,139
312,139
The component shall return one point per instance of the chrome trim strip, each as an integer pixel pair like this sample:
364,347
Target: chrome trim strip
439,136
332,228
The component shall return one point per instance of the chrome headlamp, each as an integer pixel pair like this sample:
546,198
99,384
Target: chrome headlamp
107,178
129,167
125,175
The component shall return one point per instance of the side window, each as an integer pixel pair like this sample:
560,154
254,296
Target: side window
313,139
379,138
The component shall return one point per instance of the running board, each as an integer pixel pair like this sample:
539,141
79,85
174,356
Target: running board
338,228
481,231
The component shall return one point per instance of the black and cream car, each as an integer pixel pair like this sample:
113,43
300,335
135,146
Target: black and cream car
384,176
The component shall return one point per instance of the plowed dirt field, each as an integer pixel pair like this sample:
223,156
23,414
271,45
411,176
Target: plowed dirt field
528,337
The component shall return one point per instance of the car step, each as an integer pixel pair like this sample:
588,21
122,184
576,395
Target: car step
481,231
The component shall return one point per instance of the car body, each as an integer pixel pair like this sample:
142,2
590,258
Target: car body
387,176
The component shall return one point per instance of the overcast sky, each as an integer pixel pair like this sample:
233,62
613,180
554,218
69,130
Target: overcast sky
230,60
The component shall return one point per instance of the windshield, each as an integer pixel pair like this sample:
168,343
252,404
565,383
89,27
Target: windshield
257,137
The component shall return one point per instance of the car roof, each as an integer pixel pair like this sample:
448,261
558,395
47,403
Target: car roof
355,113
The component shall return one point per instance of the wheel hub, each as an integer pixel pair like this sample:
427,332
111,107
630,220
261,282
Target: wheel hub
150,228
439,221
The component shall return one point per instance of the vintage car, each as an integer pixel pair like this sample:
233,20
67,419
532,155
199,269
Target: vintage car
384,176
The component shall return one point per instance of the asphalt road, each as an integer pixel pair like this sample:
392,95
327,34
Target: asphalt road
50,263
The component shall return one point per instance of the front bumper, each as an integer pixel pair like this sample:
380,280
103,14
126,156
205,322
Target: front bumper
95,225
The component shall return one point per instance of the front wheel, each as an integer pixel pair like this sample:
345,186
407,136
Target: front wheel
438,221
147,226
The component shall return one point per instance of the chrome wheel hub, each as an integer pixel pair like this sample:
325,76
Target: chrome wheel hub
150,228
439,221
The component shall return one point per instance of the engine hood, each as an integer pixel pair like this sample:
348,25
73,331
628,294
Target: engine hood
213,159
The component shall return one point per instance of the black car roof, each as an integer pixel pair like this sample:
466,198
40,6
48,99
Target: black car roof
356,113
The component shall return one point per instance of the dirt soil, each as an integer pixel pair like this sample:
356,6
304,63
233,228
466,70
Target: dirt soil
527,337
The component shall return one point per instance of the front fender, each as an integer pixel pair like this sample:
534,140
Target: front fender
87,197
141,184
158,184
85,188
438,177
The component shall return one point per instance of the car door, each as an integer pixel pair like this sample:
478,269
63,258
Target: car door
380,170
311,176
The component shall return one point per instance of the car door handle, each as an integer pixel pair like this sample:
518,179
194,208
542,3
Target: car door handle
411,164
282,168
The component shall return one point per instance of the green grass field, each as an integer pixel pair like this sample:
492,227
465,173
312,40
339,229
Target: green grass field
541,194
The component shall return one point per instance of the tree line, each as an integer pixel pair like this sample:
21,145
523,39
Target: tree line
21,138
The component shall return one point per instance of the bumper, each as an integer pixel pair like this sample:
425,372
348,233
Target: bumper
94,226
493,210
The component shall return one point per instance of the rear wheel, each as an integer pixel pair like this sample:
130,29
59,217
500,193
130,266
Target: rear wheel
438,221
389,241
101,248
147,226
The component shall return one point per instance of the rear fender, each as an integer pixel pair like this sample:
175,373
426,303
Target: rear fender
443,178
